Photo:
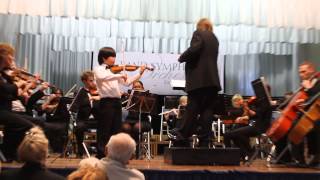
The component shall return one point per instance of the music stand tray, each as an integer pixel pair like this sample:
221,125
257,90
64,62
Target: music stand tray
140,101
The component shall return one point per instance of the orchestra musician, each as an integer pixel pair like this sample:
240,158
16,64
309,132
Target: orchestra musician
15,125
131,123
241,136
86,106
174,118
311,85
56,119
240,111
108,85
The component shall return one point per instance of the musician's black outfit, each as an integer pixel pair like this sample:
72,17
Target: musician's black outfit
15,126
202,84
133,120
84,109
241,136
313,137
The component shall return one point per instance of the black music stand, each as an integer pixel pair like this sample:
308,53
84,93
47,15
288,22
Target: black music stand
262,93
141,102
72,107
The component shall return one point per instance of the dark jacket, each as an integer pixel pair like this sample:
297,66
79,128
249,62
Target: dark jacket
201,69
30,171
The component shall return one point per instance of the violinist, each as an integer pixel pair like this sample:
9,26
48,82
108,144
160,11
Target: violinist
57,117
86,105
241,135
108,85
240,111
15,125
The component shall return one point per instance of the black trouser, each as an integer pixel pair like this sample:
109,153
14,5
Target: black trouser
109,123
132,128
241,138
200,102
14,132
82,126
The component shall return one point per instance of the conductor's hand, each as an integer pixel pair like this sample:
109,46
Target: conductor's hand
142,69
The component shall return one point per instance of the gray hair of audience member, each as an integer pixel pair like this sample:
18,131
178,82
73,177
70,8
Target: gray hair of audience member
91,162
34,146
121,147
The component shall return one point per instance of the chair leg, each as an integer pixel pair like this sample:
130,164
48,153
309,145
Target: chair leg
2,157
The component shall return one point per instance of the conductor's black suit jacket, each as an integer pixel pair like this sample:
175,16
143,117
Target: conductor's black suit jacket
201,69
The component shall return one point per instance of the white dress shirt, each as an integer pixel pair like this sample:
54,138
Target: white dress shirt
108,82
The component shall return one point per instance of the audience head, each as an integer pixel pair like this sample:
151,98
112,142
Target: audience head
121,148
204,24
88,173
107,56
306,70
89,169
34,146
6,56
90,162
237,101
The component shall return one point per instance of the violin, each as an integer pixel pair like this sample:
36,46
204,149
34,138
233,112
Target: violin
20,74
252,100
118,68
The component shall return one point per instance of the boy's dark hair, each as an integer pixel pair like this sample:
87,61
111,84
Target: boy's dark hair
105,52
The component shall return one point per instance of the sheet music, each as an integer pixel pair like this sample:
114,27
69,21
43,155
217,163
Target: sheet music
178,84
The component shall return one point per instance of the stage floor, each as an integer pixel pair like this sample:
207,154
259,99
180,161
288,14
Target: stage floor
157,163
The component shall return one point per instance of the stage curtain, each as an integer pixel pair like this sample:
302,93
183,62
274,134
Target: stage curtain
79,35
61,68
270,13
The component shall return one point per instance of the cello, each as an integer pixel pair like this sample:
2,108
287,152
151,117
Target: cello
281,126
305,123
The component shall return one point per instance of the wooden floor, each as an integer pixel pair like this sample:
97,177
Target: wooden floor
157,163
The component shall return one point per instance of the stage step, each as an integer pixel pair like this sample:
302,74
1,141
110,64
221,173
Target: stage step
202,156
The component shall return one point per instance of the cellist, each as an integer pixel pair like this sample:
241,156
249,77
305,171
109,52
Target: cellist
311,84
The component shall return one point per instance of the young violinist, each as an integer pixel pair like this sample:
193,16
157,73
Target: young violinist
108,85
